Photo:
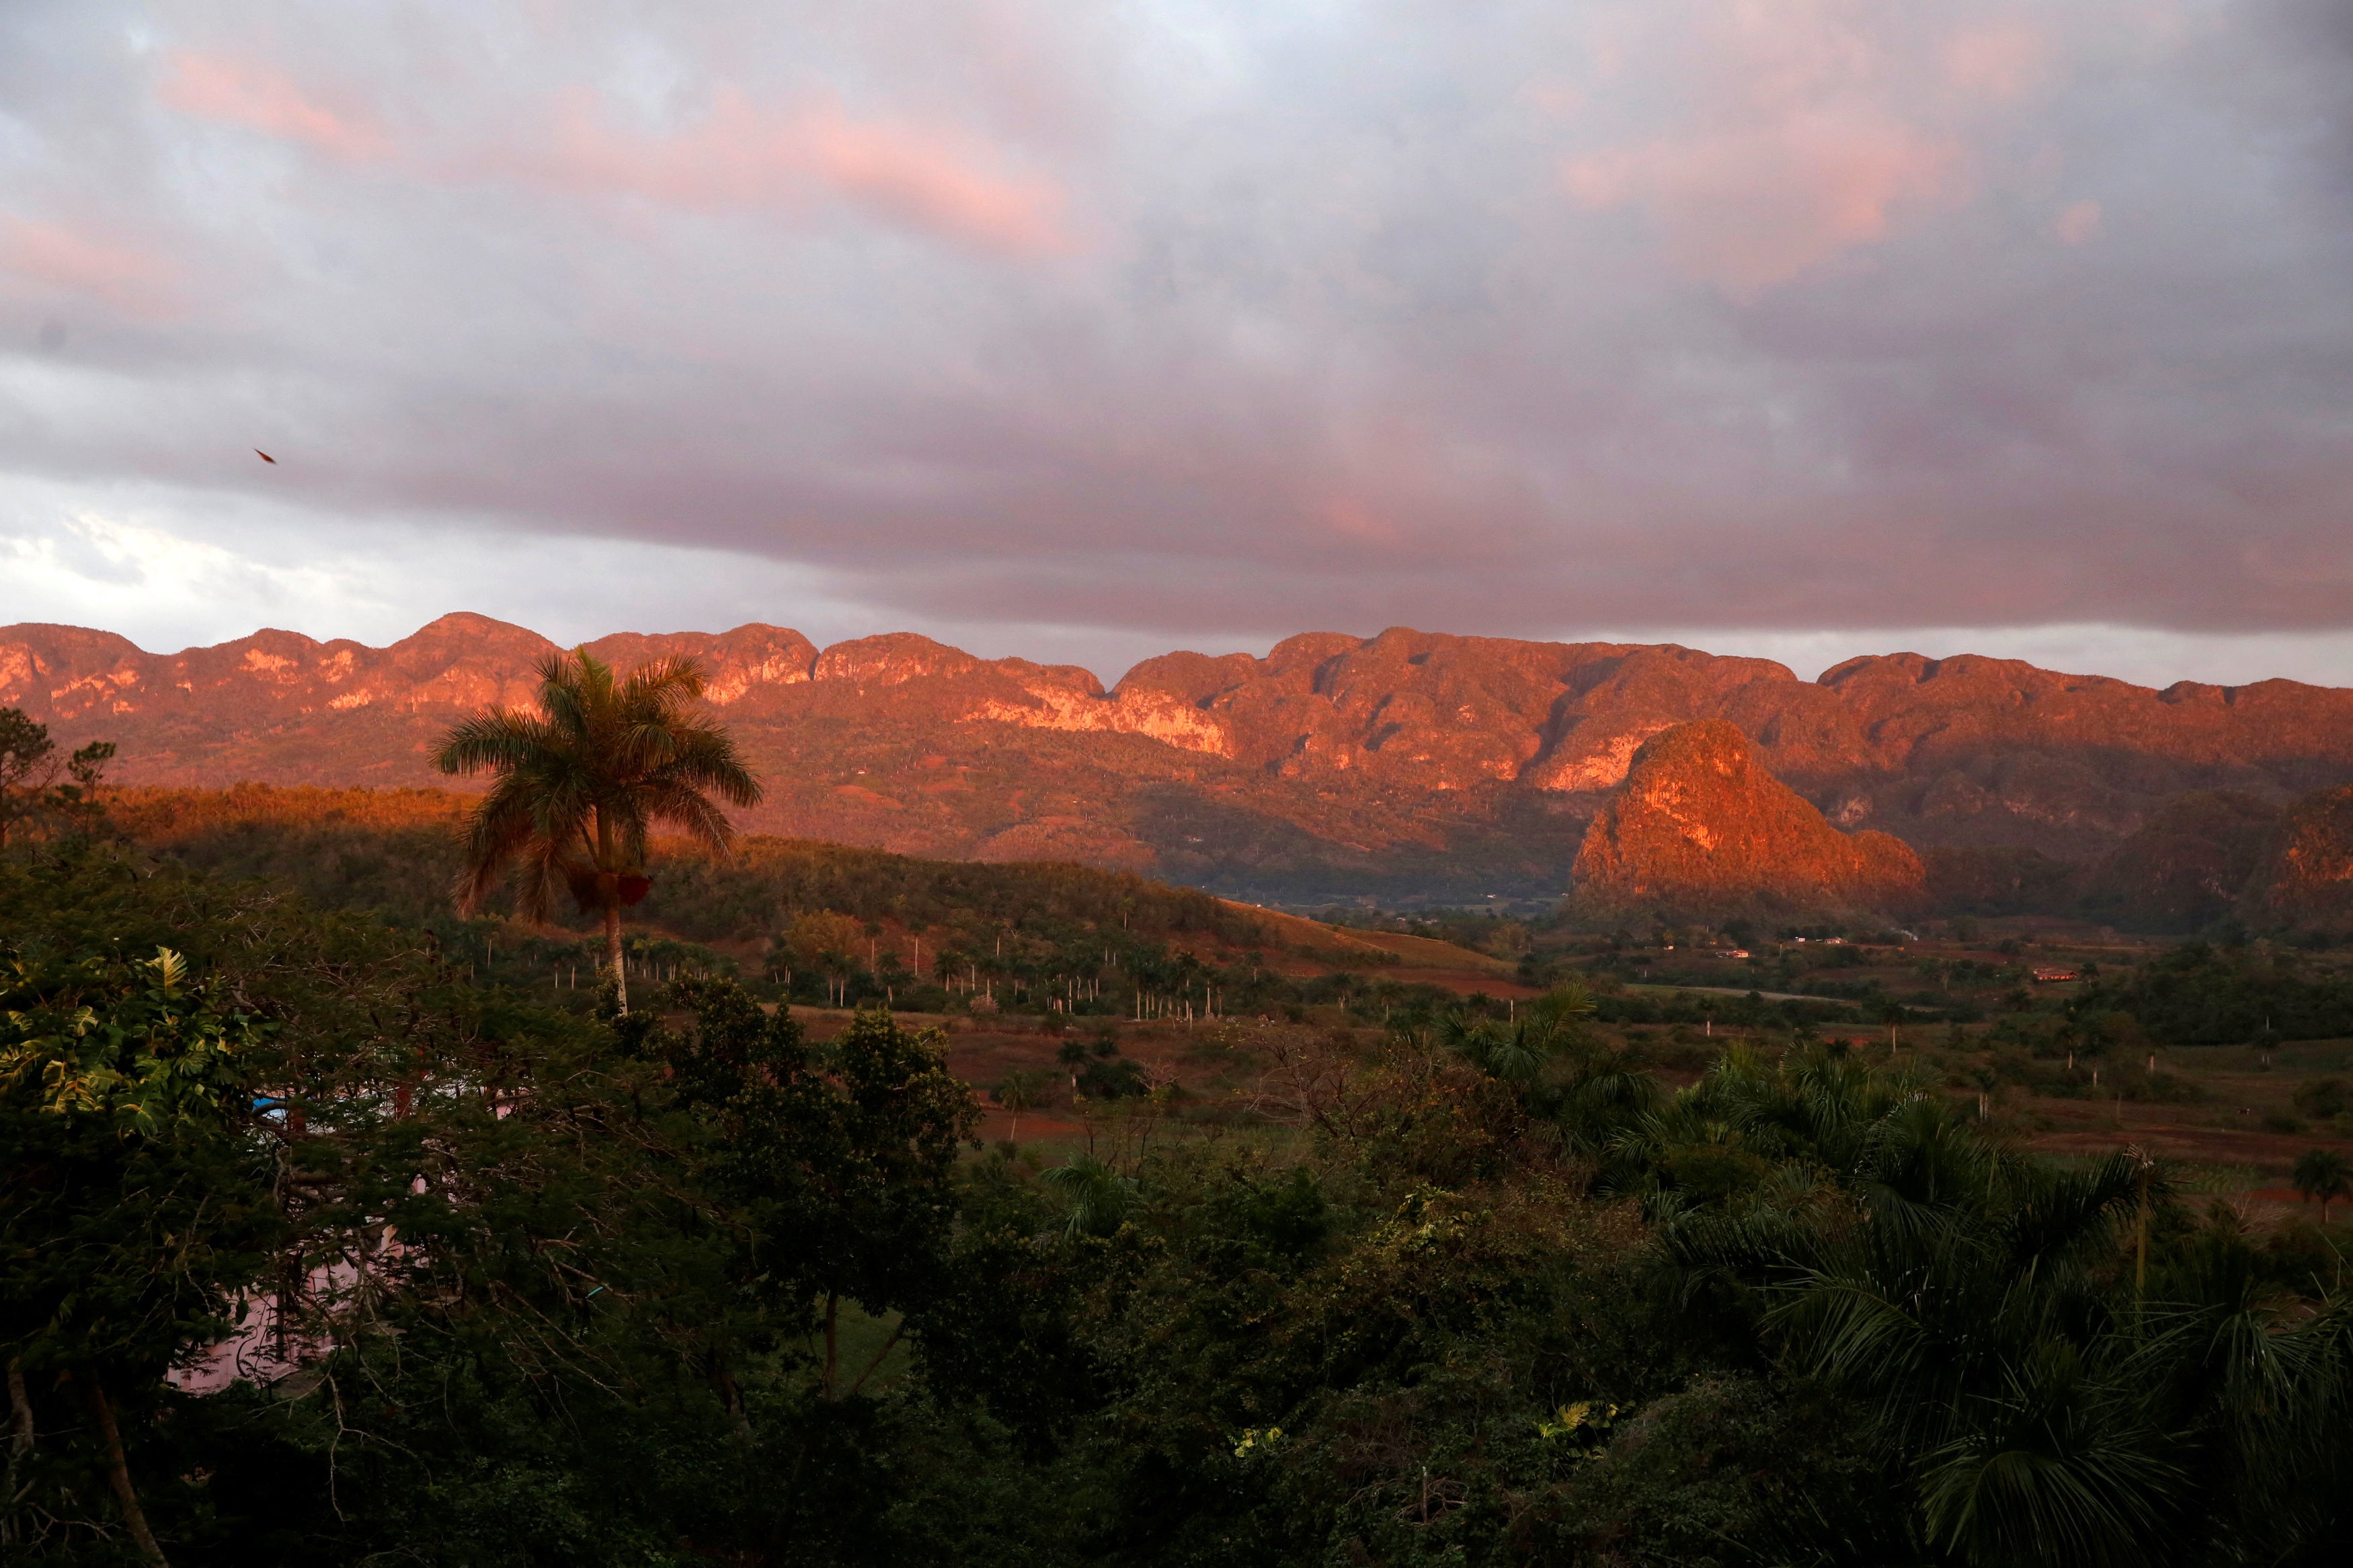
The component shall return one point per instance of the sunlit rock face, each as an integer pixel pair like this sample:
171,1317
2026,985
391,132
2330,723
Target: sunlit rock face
1700,827
1336,765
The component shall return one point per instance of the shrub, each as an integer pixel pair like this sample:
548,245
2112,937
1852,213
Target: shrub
1115,1078
2323,1097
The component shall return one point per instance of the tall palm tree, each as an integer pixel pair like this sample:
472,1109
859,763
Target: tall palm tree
582,783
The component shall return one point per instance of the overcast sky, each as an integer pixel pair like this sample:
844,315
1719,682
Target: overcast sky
1089,329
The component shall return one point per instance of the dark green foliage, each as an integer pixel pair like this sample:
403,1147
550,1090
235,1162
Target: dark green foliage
688,1287
1112,1079
772,878
2323,1097
1733,1469
347,860
42,792
2202,995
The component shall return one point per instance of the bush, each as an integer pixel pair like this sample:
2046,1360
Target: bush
1112,1079
2323,1097
2159,1089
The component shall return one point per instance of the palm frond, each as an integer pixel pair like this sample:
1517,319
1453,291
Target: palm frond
663,685
706,758
688,812
2060,1466
2058,1212
497,740
499,829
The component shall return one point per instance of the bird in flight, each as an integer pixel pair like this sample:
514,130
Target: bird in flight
263,456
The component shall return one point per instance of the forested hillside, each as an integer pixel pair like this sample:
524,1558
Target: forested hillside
397,851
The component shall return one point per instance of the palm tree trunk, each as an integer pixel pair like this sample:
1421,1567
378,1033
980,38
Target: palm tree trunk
612,951
832,1340
118,1472
20,1443
20,1412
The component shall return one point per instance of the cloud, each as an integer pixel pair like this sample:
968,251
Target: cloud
2078,223
50,258
747,154
739,154
172,569
1751,208
1156,326
234,90
80,564
1998,59
1796,132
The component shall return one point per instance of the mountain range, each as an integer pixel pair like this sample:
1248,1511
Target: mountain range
1407,765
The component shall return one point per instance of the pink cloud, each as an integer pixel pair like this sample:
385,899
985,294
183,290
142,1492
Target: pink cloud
1750,207
743,154
62,258
1998,60
1351,519
244,92
1792,131
2078,223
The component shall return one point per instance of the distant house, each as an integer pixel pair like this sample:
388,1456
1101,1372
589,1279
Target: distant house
2058,972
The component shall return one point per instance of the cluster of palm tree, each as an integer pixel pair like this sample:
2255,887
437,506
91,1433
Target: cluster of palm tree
2047,1388
1522,1050
2062,1365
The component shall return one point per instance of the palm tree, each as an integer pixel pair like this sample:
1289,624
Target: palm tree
1518,1052
583,783
1100,1197
1891,1012
2325,1174
1020,1090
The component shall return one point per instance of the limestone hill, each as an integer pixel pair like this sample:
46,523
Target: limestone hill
2186,867
1406,764
1700,827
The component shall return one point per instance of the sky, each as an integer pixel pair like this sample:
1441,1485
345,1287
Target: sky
1801,328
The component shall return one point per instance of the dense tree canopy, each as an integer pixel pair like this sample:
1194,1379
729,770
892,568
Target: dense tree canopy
523,1284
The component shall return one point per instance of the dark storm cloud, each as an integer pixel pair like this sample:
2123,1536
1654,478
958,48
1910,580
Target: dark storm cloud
1212,320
